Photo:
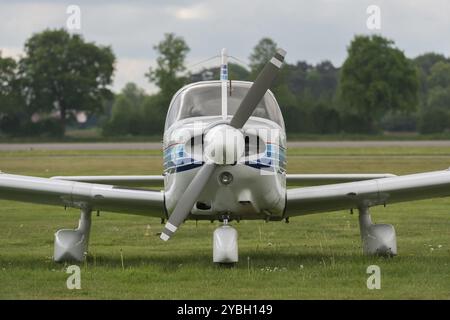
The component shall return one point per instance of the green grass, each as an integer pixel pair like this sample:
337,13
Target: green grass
313,257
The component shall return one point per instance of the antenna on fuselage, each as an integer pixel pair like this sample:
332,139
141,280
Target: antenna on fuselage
224,79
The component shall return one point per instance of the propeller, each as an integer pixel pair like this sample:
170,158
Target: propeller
187,200
258,90
224,144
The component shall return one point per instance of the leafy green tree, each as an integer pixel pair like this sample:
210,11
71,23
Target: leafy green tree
439,98
313,108
154,112
262,53
377,78
325,119
126,113
433,121
172,52
298,74
435,113
13,115
8,84
135,113
440,75
63,73
427,60
424,64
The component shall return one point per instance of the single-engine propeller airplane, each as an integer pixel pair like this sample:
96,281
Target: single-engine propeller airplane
224,159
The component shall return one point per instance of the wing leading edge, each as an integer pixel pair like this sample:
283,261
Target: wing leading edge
328,178
307,200
81,195
130,181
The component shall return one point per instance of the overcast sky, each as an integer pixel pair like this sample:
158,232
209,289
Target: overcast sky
308,30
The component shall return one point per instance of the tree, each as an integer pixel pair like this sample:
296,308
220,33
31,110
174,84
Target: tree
424,63
376,78
298,73
135,113
262,53
439,98
126,115
12,112
8,84
440,75
172,52
427,60
62,73
154,112
435,112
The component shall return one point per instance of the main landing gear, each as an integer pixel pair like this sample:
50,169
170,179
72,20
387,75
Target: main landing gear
377,239
72,245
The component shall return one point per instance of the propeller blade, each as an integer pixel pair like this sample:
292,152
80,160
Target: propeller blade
258,90
187,200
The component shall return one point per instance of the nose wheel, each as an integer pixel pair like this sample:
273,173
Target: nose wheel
225,244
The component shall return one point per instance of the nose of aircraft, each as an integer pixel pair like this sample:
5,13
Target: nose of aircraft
224,145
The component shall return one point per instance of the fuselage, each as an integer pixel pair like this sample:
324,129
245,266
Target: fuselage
254,186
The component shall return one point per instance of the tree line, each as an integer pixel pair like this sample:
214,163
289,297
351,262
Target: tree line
378,88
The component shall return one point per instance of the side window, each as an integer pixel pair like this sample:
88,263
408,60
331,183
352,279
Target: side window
273,109
173,111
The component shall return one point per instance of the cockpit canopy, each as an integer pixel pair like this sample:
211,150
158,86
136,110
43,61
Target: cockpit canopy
204,99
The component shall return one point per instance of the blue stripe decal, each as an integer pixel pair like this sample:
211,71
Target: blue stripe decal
177,160
189,167
274,157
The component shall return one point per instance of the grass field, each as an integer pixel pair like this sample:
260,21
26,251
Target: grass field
313,257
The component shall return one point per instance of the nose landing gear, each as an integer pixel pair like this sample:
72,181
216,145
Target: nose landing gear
225,244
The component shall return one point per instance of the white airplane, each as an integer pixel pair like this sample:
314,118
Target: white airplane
224,159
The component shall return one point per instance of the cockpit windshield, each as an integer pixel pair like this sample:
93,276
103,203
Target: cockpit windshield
205,99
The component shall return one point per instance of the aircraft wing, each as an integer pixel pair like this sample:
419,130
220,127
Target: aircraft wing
320,179
80,194
130,181
332,197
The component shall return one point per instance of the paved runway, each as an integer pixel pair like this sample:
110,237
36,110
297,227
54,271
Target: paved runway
158,145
